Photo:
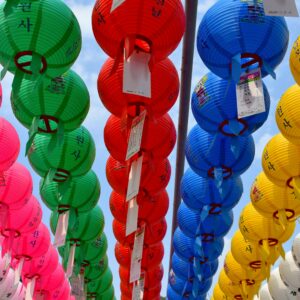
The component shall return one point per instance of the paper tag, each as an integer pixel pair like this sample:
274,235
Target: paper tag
18,271
286,8
62,229
76,286
7,258
30,289
134,178
115,4
136,256
250,96
136,74
132,216
70,266
136,291
141,283
136,133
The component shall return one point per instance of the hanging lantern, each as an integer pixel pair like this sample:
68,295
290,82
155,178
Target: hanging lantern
214,106
217,199
62,292
148,293
273,201
59,103
95,288
280,161
10,144
218,294
155,175
73,157
185,270
152,255
94,272
264,293
278,290
151,209
30,45
287,114
8,287
231,31
15,187
156,28
81,196
209,248
193,224
154,233
158,140
207,154
171,294
289,272
264,231
247,253
164,90
294,61
296,250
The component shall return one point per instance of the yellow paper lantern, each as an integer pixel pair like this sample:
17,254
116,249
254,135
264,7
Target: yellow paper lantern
219,294
273,201
255,227
281,161
248,254
295,60
288,114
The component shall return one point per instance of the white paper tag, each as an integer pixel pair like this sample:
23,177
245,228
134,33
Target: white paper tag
142,286
136,134
286,8
136,74
30,289
138,289
70,266
250,95
61,230
7,258
18,271
134,178
132,216
115,4
136,256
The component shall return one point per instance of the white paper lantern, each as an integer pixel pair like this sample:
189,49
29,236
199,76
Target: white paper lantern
296,250
289,272
264,293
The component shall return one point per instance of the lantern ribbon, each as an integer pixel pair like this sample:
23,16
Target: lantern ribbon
236,68
268,69
58,138
282,218
32,133
218,175
5,69
9,4
235,146
296,186
234,126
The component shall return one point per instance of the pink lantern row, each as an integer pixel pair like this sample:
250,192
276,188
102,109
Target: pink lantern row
25,243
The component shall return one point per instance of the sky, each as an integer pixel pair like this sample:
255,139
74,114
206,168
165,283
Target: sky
88,66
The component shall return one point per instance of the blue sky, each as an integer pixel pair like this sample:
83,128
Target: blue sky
88,66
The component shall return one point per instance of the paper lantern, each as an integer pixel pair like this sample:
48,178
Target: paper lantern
32,47
158,140
10,144
230,29
154,232
214,224
294,61
248,254
150,293
95,288
211,248
206,153
152,255
273,201
296,250
7,286
280,161
15,187
264,231
156,28
155,175
214,106
108,294
57,103
74,157
218,294
151,209
94,272
264,293
278,290
62,292
82,194
171,294
289,272
164,90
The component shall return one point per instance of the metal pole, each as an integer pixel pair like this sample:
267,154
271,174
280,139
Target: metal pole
185,92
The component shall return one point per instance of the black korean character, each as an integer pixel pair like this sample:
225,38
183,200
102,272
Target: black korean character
76,154
25,24
279,111
286,123
25,7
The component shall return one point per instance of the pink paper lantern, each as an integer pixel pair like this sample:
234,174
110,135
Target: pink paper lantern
7,286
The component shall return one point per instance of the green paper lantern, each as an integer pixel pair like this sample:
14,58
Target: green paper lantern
39,37
95,272
98,287
81,196
108,295
61,101
72,157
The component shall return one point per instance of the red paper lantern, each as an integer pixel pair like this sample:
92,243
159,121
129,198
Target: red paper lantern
164,90
152,255
158,141
149,293
123,297
154,232
151,208
153,26
155,175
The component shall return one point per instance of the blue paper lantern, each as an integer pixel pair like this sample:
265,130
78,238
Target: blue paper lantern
184,269
186,248
214,105
235,29
218,156
197,192
173,295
